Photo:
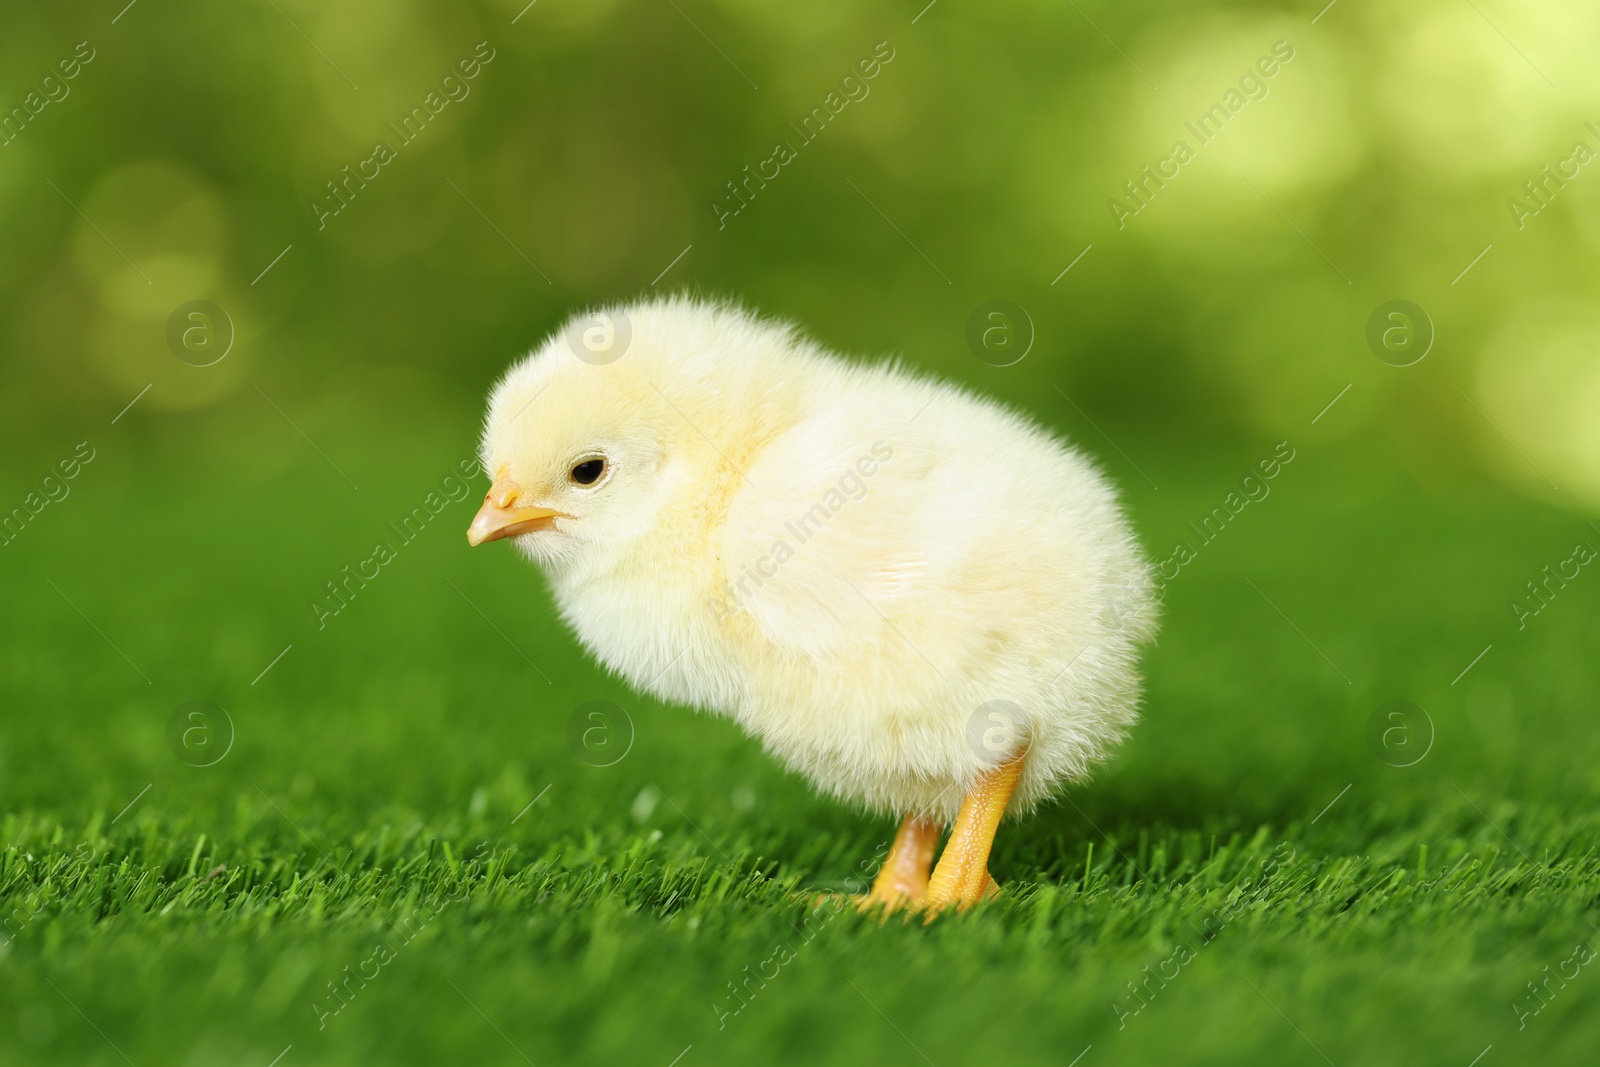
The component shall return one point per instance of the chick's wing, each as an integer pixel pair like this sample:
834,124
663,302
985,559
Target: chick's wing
853,523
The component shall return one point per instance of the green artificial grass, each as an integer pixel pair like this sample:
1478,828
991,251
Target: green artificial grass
404,857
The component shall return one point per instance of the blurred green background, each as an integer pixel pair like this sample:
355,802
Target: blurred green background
1178,335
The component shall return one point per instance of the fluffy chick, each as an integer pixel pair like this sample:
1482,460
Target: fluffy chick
907,592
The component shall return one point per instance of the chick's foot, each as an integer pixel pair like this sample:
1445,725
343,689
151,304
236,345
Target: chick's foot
962,877
903,878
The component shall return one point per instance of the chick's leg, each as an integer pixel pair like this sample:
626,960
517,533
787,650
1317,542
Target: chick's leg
962,877
903,878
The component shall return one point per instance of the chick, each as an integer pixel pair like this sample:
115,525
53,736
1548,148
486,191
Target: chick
920,600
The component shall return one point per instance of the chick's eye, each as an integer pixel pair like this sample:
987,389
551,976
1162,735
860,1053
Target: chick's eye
588,472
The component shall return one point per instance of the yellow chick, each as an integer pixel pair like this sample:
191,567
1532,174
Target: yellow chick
920,600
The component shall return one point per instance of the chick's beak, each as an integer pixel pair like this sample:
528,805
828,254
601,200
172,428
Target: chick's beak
501,516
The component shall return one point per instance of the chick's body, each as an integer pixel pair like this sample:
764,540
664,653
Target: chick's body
893,584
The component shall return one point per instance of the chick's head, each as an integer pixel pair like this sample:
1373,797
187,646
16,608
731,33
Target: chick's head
577,457
594,459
